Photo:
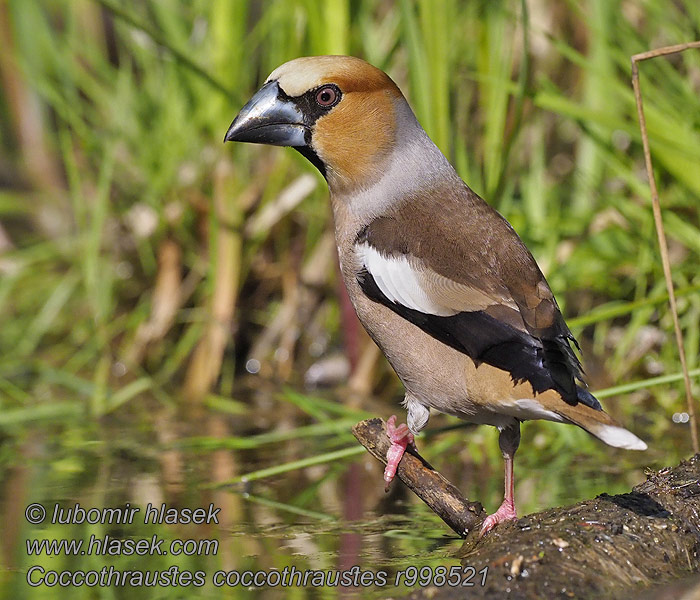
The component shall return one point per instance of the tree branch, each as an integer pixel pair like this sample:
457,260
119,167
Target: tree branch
440,495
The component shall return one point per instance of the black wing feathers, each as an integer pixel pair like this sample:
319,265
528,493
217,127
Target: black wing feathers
522,331
545,363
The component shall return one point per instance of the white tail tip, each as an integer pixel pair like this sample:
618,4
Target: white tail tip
619,437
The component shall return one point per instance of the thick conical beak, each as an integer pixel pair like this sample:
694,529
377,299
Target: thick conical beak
269,118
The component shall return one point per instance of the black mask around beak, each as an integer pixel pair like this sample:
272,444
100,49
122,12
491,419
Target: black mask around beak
269,117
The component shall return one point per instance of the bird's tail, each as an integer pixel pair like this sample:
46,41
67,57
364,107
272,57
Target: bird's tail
600,424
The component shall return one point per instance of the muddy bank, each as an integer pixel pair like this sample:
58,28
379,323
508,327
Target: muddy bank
608,547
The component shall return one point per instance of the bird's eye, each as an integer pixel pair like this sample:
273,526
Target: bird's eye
327,96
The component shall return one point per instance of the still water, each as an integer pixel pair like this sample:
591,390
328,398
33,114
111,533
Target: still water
151,504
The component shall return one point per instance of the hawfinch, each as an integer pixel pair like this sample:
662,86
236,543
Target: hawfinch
439,279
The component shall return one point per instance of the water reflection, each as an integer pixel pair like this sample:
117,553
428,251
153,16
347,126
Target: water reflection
278,502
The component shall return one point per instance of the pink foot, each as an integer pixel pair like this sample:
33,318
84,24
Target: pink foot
506,512
400,437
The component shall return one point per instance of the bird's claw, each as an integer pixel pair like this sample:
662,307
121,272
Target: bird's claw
400,437
505,512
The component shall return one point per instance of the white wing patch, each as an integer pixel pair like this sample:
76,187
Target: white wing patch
403,279
400,282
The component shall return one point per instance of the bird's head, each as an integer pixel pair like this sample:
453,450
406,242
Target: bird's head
338,111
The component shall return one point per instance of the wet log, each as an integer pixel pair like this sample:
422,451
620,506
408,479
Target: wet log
607,547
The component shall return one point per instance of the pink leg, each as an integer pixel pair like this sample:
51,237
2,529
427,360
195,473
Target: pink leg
400,437
508,441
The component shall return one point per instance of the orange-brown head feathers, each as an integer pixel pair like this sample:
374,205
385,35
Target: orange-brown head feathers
351,74
339,111
352,138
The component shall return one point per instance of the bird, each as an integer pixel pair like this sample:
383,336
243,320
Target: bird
438,278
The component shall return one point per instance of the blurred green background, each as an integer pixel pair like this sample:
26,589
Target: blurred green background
171,329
